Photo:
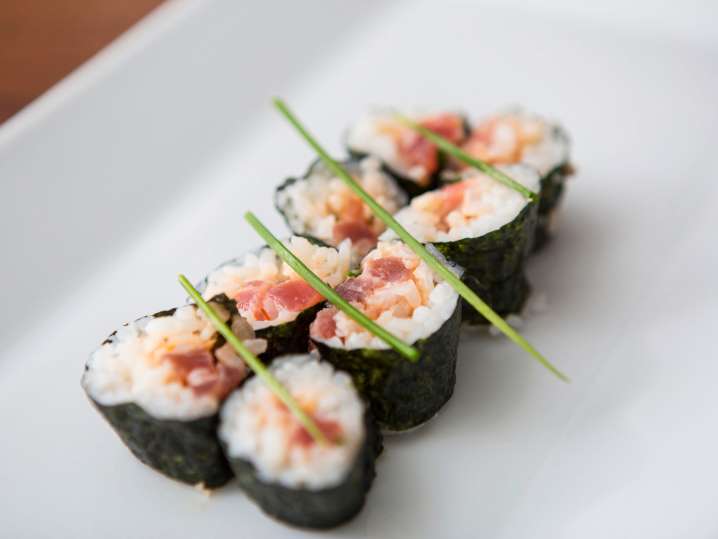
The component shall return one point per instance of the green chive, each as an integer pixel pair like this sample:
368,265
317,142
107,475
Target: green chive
328,292
255,364
416,246
460,154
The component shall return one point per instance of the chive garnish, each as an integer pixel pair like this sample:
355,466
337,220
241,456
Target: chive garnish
464,291
409,352
255,364
460,154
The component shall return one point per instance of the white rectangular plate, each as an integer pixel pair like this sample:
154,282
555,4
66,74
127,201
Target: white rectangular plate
141,166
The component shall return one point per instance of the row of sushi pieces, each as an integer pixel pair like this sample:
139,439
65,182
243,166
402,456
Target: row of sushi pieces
186,404
474,221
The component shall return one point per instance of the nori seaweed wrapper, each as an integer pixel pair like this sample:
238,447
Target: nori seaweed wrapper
185,450
318,509
402,394
409,186
290,337
552,191
494,264
284,211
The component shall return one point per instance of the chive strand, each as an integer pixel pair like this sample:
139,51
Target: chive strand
470,160
255,364
409,352
469,295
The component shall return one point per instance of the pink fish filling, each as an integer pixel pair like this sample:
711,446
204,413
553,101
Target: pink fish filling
198,370
377,273
416,151
362,236
261,300
331,430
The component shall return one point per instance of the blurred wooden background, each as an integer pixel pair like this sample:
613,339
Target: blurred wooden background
41,41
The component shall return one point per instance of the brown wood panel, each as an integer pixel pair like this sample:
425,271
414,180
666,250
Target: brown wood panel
41,41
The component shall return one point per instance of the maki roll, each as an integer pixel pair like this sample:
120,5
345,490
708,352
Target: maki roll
321,206
278,304
410,158
517,136
399,292
280,466
486,228
159,382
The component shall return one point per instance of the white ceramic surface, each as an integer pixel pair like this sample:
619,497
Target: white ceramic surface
140,166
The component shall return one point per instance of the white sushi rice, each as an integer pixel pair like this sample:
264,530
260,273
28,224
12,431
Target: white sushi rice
368,136
130,367
313,205
552,147
487,206
432,302
330,264
254,427
372,135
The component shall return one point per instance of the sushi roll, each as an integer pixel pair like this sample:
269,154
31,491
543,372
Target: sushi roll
484,227
278,304
410,158
321,206
517,136
280,466
399,292
159,382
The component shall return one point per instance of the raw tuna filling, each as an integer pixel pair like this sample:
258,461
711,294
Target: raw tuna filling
402,148
395,289
170,365
417,152
198,370
267,291
262,300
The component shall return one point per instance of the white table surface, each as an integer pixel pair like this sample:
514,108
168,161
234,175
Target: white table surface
141,165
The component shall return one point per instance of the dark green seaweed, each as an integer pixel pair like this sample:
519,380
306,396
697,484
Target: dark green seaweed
290,337
494,264
187,451
403,394
411,187
318,509
505,297
552,191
